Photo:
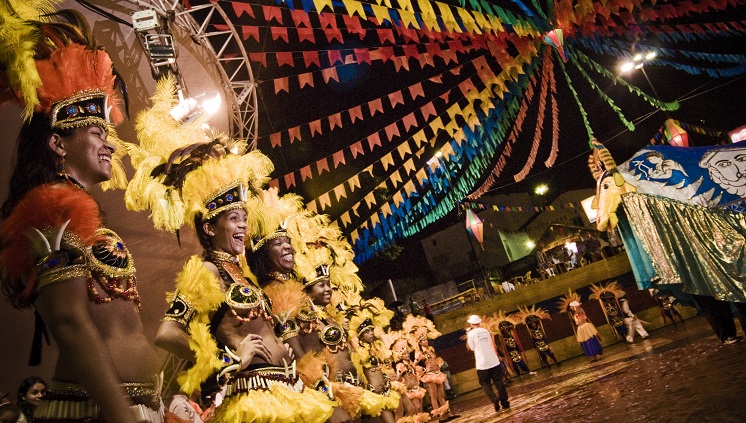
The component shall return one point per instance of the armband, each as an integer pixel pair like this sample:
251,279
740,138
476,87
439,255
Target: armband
286,329
180,311
232,362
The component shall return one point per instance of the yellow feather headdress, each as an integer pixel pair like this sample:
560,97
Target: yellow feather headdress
184,171
564,303
612,287
525,312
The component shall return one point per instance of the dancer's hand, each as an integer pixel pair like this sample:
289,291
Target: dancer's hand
253,346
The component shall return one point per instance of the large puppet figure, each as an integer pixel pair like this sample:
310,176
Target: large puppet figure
532,317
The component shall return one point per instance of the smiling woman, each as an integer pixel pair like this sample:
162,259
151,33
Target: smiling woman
56,256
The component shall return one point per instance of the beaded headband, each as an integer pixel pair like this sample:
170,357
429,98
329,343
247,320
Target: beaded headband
85,108
322,272
230,197
367,324
281,231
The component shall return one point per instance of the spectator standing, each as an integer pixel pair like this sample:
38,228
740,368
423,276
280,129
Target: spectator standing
489,371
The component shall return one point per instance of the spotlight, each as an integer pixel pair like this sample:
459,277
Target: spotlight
190,109
541,189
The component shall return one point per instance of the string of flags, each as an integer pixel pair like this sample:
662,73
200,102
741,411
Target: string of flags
472,205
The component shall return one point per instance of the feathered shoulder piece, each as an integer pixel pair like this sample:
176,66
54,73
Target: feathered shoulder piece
287,298
200,286
35,229
564,303
526,312
611,289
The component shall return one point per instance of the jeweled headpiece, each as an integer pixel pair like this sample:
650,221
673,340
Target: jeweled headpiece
366,324
321,272
259,242
55,67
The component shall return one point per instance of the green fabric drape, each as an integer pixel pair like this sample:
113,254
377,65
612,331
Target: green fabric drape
701,247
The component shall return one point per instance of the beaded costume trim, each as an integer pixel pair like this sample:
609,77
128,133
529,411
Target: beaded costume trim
180,310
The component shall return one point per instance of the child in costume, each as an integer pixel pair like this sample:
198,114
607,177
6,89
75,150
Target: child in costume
420,329
57,256
211,182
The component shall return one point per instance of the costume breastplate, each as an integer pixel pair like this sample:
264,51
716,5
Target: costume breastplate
247,302
333,337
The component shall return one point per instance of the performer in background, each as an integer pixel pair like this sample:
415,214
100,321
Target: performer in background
587,335
57,256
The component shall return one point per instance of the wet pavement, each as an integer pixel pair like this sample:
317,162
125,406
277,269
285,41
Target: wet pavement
679,374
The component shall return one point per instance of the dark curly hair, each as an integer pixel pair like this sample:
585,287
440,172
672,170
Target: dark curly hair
26,408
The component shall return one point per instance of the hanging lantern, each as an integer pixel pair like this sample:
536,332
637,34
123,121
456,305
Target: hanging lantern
554,38
675,135
475,226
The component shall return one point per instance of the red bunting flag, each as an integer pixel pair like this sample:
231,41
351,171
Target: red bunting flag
311,58
428,110
272,12
250,31
281,84
386,53
294,134
416,91
241,8
334,57
396,98
333,34
386,35
391,131
300,18
306,34
305,173
284,58
289,180
328,20
280,32
305,79
274,184
353,26
275,140
335,120
362,55
259,57
409,121
330,73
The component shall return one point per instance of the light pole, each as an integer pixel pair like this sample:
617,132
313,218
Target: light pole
638,62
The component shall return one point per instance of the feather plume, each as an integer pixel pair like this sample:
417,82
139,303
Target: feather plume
287,298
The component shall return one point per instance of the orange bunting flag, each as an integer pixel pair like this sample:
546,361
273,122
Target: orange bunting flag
289,180
305,79
338,157
355,207
398,199
419,138
410,51
391,131
300,18
330,73
274,184
315,126
335,120
311,206
333,34
409,121
373,140
275,140
386,210
306,34
375,106
428,110
281,84
280,33
339,192
437,79
294,134
305,173
356,148
250,32
355,113
416,91
409,188
396,98
322,165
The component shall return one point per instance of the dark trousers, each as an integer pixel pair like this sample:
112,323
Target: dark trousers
493,375
719,315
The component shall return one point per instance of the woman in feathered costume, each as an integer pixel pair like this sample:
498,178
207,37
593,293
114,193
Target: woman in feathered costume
421,330
56,256
210,182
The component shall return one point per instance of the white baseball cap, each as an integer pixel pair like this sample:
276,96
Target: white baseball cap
474,320
574,304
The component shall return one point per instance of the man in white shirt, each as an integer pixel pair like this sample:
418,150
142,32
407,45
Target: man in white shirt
481,341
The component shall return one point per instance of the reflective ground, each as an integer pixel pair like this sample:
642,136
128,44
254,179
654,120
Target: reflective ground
679,374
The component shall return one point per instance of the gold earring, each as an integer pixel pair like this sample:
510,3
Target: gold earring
62,171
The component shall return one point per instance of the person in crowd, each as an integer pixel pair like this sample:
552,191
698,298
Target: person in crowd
668,309
587,335
9,412
57,256
632,322
480,341
428,311
30,392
